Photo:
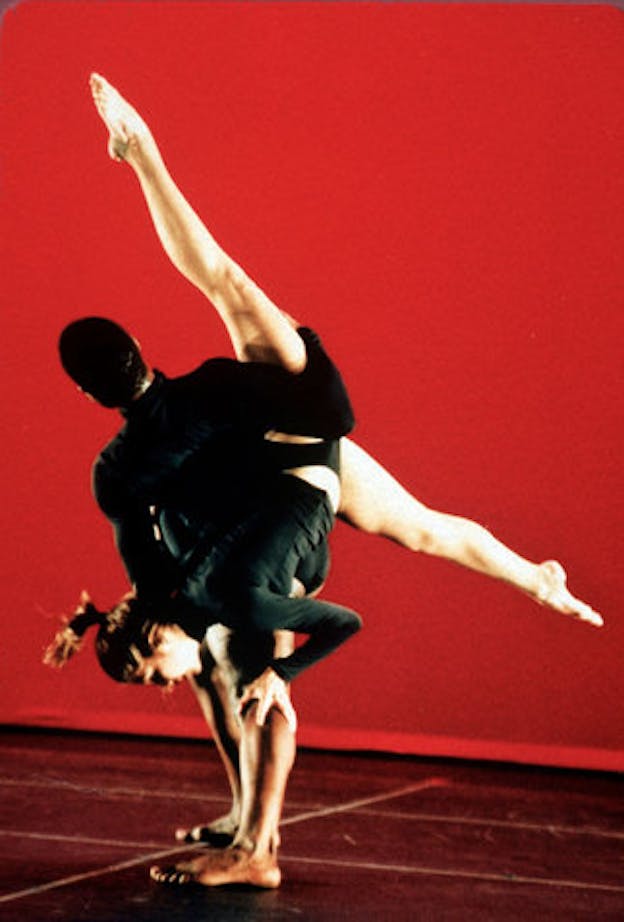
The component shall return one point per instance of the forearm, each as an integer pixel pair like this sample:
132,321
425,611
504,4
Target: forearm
324,637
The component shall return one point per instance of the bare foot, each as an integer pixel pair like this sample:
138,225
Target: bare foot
234,866
127,130
219,834
553,592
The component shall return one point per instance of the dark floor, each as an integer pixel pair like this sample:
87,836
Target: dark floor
364,837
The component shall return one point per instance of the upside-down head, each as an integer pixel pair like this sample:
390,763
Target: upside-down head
122,639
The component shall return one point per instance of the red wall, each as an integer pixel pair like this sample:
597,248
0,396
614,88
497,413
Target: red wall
439,190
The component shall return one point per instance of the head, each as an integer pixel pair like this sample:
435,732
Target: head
104,361
130,645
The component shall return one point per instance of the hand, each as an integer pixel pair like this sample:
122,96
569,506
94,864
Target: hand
269,690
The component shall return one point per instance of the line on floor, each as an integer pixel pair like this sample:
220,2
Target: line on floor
80,840
447,872
364,801
88,875
112,792
168,853
503,824
58,784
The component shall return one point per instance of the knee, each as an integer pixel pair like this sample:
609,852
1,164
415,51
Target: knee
351,623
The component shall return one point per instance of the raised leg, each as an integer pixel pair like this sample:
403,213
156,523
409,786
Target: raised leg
373,501
257,328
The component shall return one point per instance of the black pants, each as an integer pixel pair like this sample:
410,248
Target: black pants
246,579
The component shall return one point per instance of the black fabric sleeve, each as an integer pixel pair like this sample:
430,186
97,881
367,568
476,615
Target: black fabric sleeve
327,625
150,568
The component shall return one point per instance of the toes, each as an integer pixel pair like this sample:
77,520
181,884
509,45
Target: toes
172,876
204,835
592,617
190,836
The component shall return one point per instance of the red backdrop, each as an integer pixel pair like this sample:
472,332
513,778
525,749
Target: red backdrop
439,190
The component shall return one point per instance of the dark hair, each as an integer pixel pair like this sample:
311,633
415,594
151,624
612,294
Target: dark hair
122,633
103,359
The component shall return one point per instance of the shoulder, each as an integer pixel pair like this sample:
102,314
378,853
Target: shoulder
107,472
209,374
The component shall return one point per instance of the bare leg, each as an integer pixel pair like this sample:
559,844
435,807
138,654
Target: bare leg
266,756
257,328
373,501
214,694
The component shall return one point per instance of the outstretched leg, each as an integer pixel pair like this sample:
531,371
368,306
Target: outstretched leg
257,328
373,501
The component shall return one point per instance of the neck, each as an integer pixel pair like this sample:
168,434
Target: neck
196,668
145,383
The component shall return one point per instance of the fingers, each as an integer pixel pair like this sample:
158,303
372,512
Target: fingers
277,698
246,697
265,703
289,713
85,598
275,695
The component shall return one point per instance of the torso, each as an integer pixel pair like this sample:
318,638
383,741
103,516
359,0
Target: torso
317,475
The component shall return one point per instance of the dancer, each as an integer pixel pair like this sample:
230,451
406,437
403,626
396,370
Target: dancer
371,498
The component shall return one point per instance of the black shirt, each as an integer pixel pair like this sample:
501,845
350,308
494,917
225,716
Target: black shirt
196,443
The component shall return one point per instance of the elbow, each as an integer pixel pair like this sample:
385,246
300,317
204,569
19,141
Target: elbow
353,624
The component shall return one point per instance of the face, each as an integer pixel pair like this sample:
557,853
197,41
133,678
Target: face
175,656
